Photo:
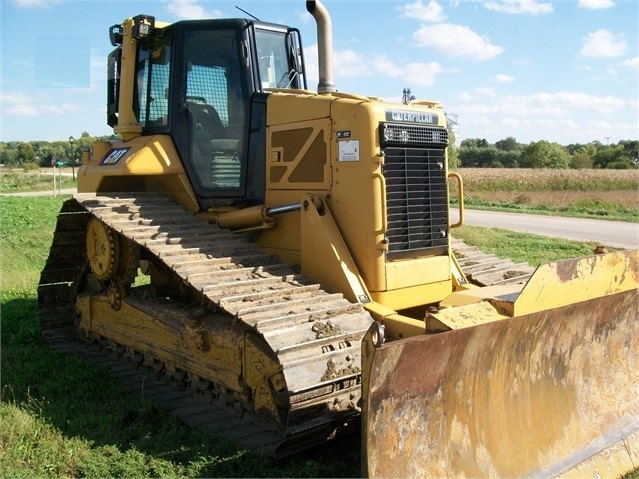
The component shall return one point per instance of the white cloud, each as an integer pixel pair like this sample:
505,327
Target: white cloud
603,44
631,63
564,116
19,103
386,66
559,103
22,110
13,97
503,78
421,74
349,63
432,12
531,7
59,109
190,10
456,41
485,92
352,64
596,4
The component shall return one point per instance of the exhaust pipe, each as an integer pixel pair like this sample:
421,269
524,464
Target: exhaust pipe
324,45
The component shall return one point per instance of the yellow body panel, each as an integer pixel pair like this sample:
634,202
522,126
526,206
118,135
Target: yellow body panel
411,272
144,163
412,296
338,161
296,106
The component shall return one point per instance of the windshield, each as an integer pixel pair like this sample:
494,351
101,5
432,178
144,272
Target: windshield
276,63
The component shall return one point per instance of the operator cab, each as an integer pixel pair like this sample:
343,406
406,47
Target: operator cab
202,82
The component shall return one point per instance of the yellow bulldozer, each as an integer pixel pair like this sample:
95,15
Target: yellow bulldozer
285,254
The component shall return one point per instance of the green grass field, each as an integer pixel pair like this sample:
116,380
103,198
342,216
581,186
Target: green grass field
17,180
60,417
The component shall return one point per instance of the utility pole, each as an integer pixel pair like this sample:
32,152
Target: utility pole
72,141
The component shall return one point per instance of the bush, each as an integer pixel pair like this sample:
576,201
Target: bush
30,166
621,165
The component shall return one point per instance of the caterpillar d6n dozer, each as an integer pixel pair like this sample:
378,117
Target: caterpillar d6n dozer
285,254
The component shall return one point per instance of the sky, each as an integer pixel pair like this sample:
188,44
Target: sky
563,71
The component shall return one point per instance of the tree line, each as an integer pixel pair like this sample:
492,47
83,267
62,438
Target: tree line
42,153
471,153
508,153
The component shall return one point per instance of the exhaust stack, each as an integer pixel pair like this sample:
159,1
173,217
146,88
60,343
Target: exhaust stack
324,45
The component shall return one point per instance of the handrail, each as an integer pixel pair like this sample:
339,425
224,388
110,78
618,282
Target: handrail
460,184
384,213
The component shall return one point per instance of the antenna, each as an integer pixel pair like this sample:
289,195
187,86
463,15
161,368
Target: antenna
244,11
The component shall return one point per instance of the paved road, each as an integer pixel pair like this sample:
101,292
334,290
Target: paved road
616,234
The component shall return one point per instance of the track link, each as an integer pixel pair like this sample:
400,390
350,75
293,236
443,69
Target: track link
487,269
315,336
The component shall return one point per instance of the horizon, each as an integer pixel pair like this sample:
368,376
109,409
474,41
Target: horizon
562,71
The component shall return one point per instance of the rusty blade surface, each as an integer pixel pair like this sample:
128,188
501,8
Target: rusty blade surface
529,396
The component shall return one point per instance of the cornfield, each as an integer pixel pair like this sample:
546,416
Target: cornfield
526,179
612,194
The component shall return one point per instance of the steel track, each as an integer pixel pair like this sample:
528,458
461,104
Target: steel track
291,313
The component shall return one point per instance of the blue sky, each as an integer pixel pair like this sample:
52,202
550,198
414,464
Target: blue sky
564,71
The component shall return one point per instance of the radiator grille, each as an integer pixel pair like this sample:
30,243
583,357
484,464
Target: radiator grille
416,201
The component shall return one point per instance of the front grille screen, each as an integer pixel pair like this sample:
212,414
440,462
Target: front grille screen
401,134
416,201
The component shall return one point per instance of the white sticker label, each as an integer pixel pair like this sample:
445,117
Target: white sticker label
348,150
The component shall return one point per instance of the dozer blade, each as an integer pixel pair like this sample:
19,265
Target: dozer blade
547,393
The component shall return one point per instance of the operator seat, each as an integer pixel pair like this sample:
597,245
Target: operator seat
206,120
215,156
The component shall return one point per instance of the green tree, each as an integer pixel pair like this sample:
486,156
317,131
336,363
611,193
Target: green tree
583,155
544,154
631,148
26,153
607,155
474,143
508,144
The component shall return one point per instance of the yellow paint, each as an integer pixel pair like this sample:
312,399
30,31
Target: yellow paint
417,295
569,281
325,257
165,337
151,164
419,271
128,125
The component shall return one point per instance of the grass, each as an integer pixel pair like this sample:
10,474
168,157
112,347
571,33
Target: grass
26,225
16,180
61,417
521,247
